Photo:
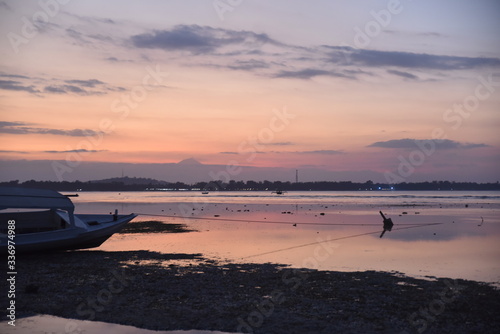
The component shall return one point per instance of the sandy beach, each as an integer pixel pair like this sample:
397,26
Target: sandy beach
188,291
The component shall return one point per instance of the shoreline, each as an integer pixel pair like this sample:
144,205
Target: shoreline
187,291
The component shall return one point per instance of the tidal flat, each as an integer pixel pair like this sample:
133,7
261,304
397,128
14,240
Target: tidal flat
187,291
255,263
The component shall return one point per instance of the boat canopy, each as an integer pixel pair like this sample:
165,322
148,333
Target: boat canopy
28,198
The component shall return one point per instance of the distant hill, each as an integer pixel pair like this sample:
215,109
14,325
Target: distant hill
128,181
190,161
190,171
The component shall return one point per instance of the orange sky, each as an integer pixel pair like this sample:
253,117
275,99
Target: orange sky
123,83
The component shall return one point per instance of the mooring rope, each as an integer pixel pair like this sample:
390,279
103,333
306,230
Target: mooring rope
266,221
335,239
406,226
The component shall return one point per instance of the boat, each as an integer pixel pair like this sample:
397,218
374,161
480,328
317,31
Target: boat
279,192
34,220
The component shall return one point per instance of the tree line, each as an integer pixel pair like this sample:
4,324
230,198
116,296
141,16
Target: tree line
120,184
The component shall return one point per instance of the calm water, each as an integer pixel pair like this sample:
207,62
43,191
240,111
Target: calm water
321,230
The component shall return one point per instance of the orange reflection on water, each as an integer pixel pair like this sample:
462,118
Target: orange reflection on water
458,248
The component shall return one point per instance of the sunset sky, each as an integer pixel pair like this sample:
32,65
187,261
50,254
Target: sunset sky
388,90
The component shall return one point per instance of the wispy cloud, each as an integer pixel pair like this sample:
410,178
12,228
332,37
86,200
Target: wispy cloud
279,143
309,73
86,83
402,74
198,39
322,152
73,86
317,152
117,60
407,143
251,51
17,86
11,151
92,20
408,60
16,76
431,34
248,65
236,153
85,39
20,128
71,89
76,151
66,89
9,124
231,50
89,31
412,34
5,6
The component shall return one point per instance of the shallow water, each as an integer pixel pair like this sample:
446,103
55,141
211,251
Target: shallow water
333,230
44,324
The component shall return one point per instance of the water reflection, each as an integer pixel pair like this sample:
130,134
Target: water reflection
462,243
42,324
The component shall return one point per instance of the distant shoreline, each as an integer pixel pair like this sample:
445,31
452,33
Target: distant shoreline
144,184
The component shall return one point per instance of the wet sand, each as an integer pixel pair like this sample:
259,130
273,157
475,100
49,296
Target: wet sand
187,291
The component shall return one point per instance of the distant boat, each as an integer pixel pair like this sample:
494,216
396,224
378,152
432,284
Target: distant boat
279,192
43,220
204,192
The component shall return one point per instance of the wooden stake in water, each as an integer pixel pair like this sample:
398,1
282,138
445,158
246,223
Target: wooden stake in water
388,224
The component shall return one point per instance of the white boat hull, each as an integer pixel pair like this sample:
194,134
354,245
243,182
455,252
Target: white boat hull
101,227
